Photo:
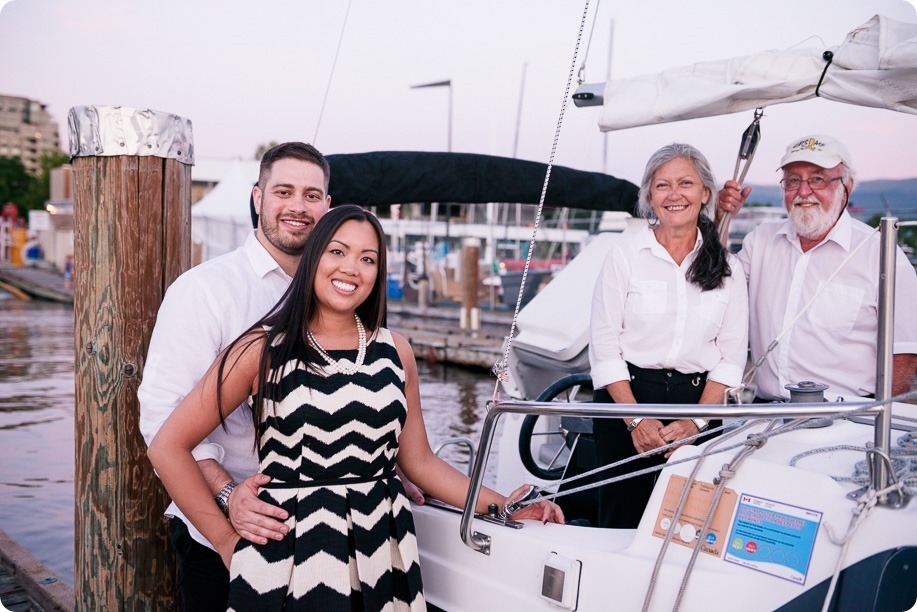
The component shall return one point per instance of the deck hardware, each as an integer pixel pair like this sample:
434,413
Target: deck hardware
482,540
897,499
519,503
560,581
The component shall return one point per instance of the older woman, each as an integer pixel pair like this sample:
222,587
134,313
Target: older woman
669,324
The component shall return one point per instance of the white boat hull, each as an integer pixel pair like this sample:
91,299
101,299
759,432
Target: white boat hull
615,566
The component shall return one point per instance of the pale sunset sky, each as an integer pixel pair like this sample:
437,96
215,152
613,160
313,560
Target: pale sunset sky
247,72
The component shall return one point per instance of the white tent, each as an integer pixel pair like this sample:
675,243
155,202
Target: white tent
221,220
875,66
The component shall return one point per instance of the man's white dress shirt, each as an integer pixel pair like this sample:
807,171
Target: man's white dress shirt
204,310
834,342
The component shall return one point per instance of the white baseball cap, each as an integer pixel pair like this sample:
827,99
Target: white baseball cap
823,151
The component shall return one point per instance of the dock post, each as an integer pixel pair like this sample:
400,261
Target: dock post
132,230
470,314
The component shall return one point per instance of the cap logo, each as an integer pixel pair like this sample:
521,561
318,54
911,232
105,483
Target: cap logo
809,143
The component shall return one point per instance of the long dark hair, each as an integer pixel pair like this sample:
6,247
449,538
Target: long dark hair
284,327
711,266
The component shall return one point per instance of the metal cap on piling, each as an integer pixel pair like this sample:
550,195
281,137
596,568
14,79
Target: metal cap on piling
121,130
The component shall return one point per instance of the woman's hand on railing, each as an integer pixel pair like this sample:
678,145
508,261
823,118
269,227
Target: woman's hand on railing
541,510
646,436
677,430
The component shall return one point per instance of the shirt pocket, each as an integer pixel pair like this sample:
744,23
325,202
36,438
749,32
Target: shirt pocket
647,297
712,307
836,307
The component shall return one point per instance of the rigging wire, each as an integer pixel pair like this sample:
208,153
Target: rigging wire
500,368
321,112
786,428
581,75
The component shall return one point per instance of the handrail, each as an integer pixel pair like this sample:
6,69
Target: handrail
458,441
480,542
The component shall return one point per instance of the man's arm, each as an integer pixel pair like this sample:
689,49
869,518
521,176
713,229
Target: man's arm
730,199
252,518
903,367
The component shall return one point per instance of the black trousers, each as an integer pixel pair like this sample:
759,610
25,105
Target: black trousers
621,504
203,580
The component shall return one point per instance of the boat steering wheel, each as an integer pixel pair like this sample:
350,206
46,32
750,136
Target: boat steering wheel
563,438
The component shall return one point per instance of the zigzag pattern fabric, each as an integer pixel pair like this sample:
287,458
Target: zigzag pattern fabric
329,445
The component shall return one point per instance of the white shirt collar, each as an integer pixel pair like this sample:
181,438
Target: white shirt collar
646,239
261,261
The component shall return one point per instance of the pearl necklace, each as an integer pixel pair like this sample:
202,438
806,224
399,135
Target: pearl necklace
333,364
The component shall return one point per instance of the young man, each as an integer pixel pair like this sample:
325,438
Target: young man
203,311
787,263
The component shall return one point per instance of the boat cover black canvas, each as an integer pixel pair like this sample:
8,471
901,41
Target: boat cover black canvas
400,177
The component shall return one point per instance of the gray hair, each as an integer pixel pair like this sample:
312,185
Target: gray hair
664,156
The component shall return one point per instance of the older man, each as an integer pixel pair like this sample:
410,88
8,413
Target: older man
790,263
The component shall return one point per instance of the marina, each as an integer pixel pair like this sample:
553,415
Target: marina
793,506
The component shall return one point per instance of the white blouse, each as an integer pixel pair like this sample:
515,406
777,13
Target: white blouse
644,311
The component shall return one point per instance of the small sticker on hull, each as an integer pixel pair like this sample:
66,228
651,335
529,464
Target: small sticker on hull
773,537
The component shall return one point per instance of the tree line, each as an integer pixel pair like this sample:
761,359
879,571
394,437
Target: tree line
27,191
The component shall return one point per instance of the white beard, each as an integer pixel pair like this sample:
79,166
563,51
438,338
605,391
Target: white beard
814,222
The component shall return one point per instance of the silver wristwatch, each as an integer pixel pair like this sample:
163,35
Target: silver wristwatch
222,497
701,424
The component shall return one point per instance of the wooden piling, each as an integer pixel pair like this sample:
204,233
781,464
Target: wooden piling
132,230
470,314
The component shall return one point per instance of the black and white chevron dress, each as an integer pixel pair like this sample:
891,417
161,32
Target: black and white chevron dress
330,445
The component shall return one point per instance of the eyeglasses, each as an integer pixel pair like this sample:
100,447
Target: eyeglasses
816,183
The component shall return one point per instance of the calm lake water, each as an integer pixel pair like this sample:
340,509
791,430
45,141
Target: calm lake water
37,435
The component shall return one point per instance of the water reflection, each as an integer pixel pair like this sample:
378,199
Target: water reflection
37,428
454,404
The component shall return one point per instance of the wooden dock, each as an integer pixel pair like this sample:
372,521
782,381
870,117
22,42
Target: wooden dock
435,335
34,281
27,585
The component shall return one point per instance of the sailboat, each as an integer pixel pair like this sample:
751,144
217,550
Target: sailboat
775,514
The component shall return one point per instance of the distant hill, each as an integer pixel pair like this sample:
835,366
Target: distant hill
901,196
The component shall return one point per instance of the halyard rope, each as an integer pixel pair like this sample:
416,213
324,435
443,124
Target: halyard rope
500,368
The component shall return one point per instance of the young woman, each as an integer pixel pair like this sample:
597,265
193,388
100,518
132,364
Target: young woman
335,401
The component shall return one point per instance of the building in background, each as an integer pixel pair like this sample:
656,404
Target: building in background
26,131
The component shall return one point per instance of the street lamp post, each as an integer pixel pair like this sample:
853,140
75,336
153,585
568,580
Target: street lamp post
446,83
